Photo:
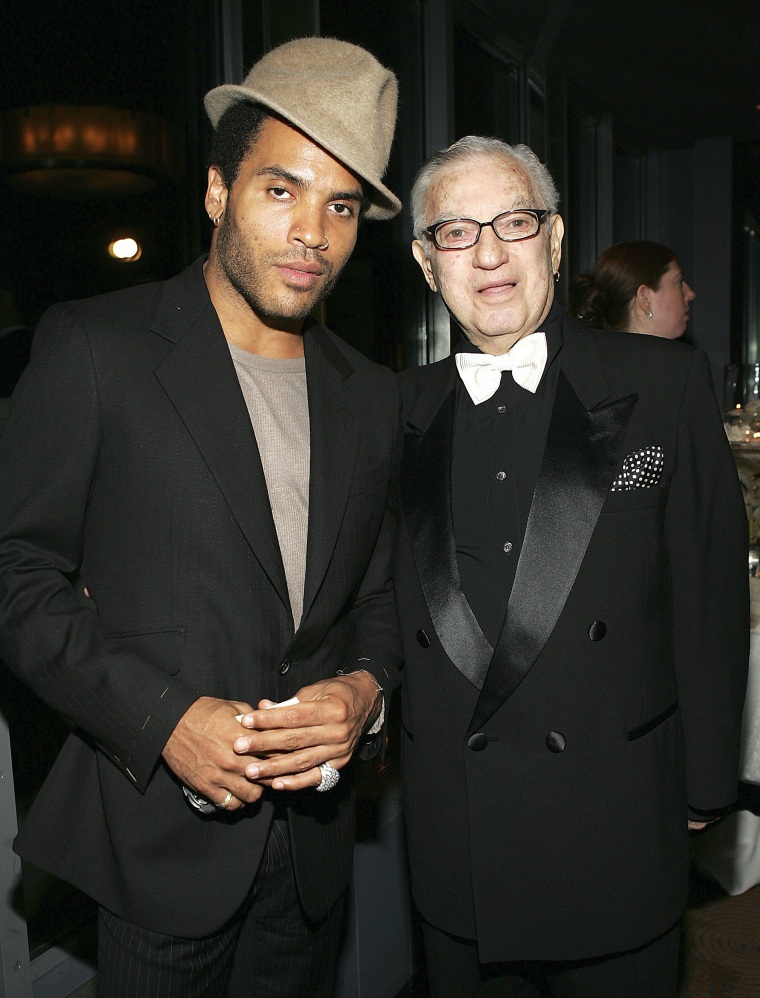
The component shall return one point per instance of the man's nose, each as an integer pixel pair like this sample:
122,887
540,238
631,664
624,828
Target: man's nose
309,228
490,251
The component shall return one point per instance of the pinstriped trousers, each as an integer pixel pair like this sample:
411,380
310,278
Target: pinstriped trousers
268,950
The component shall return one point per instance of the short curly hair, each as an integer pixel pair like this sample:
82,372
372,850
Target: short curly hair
235,136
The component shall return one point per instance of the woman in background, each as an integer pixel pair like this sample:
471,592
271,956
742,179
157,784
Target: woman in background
635,286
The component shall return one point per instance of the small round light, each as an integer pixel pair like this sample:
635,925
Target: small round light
126,249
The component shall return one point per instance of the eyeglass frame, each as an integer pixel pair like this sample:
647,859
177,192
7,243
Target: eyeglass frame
539,213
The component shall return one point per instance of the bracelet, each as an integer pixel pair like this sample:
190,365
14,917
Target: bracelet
379,721
378,687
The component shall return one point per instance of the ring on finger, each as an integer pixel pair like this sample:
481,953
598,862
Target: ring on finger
330,777
222,805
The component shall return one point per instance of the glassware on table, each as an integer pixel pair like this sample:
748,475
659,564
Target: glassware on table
741,404
741,419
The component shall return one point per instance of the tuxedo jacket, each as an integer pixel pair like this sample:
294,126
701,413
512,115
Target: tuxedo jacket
548,781
130,468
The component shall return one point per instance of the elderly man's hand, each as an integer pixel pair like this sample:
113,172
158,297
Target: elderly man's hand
324,726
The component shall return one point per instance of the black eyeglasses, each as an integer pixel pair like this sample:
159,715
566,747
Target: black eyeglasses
509,226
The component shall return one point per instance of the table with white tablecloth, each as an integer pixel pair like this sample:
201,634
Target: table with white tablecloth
730,852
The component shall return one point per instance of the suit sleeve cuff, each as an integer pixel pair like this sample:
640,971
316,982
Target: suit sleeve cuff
697,815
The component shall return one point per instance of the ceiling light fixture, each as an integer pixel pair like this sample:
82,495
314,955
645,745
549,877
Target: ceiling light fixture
125,249
73,151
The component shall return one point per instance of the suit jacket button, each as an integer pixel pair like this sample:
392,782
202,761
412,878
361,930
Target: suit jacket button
423,639
478,741
555,742
284,667
597,630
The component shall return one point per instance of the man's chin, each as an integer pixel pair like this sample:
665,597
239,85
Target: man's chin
302,301
495,341
286,313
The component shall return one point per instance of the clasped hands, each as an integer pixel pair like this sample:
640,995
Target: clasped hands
279,747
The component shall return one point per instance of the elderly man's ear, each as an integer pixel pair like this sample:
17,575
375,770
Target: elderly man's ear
418,250
558,231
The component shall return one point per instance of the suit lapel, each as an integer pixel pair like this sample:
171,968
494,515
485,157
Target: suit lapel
426,498
334,435
199,377
585,436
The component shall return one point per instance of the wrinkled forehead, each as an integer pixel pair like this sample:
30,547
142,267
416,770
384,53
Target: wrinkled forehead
472,185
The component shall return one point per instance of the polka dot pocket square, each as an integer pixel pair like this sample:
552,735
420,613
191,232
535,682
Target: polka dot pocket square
641,470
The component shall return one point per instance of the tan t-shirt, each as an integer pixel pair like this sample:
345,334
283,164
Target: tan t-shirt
278,404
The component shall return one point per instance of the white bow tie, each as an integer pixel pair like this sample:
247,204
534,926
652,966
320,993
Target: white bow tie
481,372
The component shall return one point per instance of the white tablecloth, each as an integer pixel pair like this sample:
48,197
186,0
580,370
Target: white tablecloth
730,852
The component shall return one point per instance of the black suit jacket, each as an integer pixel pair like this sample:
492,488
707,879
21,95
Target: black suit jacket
547,781
129,466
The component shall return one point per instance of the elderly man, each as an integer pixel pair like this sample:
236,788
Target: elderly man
195,519
572,592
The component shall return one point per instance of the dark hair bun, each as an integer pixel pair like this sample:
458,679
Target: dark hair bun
586,301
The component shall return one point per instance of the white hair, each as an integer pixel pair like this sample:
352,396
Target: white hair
476,145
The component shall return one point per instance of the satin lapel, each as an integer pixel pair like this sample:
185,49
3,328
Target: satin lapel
334,434
579,461
426,498
199,377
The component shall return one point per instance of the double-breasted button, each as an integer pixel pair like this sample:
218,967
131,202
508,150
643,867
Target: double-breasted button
597,630
423,639
555,741
478,741
284,666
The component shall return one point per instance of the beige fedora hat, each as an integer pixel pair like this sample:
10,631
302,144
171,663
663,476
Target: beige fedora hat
336,93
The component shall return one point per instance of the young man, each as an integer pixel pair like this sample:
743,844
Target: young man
196,519
572,590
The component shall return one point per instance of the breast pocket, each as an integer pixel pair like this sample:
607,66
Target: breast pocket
161,647
634,499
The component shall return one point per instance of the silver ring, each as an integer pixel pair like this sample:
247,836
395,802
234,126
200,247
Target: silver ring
330,777
226,802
